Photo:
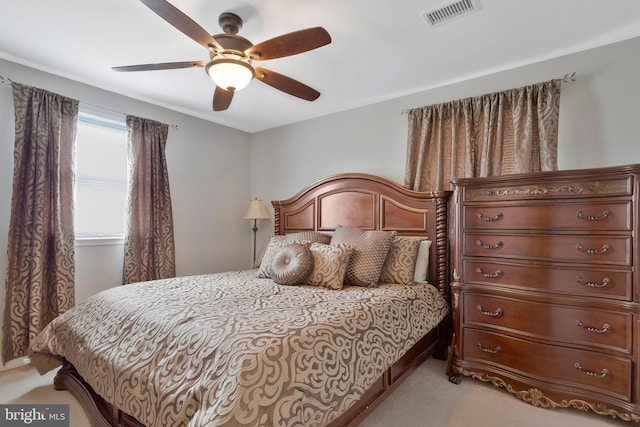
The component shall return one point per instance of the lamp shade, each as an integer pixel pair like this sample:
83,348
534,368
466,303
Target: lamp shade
230,74
256,210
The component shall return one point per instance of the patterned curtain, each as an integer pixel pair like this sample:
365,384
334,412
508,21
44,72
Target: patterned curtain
514,131
149,251
40,254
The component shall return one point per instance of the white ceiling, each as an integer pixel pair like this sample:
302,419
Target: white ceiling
380,49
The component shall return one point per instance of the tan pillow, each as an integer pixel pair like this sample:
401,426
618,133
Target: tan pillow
400,265
275,244
369,253
292,264
329,265
263,249
311,236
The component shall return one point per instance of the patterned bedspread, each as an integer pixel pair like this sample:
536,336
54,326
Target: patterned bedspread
231,349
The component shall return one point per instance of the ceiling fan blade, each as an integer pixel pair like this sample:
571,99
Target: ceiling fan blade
290,44
286,84
160,66
182,22
222,99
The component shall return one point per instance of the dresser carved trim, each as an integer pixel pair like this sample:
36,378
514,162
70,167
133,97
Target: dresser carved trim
545,292
536,397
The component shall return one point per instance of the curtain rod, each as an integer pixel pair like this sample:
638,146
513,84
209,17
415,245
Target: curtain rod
8,81
571,77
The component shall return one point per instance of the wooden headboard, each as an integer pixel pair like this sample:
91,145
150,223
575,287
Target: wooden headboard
371,203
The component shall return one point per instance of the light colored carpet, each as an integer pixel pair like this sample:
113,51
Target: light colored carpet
428,399
25,385
425,399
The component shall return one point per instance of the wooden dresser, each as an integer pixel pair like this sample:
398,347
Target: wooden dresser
545,293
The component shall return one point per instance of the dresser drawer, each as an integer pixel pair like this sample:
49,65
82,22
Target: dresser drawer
562,248
619,186
582,215
596,328
588,370
614,283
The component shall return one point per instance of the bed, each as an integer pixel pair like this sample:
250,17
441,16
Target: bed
238,348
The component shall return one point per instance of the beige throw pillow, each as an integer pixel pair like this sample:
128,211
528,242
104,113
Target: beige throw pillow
292,264
275,244
370,249
311,236
400,265
329,265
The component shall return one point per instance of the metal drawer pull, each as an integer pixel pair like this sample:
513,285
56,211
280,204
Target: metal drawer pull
605,215
498,216
602,374
496,313
496,246
605,248
488,350
605,282
495,275
605,328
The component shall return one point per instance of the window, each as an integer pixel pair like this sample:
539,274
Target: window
101,175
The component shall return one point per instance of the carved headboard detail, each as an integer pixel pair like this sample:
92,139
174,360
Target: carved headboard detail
371,203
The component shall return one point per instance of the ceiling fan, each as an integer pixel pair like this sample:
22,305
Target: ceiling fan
231,56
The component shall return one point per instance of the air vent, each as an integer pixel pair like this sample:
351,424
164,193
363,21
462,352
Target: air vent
449,12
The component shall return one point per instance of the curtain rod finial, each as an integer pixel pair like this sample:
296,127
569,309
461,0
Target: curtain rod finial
569,78
5,80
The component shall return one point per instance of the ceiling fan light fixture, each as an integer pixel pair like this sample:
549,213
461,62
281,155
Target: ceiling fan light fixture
230,74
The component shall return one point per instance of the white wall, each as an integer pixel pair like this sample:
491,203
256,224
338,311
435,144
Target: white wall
599,125
209,186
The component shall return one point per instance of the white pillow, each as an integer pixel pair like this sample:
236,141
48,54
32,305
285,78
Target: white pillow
422,263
